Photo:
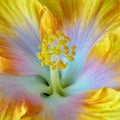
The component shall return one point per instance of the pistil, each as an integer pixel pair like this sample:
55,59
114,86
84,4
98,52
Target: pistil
55,82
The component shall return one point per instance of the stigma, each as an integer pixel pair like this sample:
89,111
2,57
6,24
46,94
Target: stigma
54,50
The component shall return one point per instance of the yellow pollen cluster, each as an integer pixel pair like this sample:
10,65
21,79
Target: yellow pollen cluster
54,49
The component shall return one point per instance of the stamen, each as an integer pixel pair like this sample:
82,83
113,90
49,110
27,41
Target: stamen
54,49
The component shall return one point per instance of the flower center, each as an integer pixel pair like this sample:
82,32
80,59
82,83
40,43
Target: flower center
54,49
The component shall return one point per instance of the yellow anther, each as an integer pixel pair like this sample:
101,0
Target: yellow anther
47,63
54,37
39,56
50,40
57,51
53,49
60,33
66,52
66,47
45,41
73,47
67,39
70,58
42,63
73,53
54,67
61,65
44,48
47,56
62,42
51,63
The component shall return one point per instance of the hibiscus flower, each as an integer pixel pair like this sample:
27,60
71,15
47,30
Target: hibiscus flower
59,59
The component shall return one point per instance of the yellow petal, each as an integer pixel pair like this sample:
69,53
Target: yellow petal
103,11
18,20
12,59
19,110
49,24
6,63
107,53
18,13
11,111
64,8
102,105
108,49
